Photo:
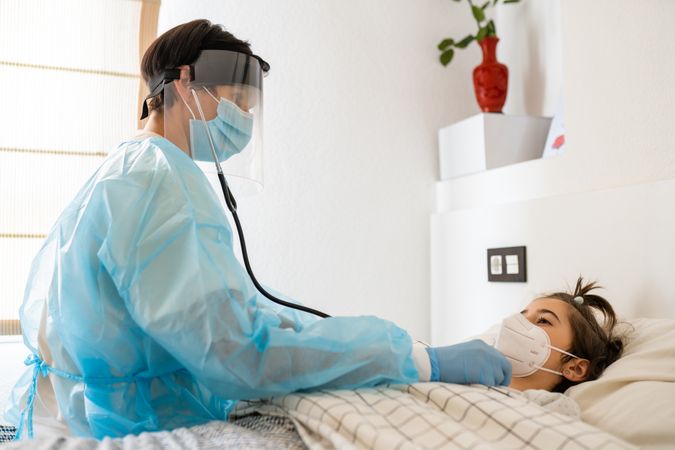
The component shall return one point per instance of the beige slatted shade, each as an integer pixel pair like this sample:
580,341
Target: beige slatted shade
69,87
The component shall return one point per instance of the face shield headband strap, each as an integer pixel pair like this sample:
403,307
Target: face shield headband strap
158,82
157,86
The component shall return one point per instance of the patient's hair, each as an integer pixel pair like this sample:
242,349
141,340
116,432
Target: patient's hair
594,337
181,46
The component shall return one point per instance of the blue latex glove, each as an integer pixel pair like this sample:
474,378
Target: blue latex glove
472,362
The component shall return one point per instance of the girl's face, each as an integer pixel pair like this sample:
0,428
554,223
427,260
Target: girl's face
552,316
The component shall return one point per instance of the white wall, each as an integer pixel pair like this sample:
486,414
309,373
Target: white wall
353,104
531,47
618,70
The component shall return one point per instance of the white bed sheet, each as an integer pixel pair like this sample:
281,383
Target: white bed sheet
635,397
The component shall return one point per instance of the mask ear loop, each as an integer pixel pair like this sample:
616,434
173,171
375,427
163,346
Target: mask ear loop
565,353
206,129
191,113
209,92
188,106
550,371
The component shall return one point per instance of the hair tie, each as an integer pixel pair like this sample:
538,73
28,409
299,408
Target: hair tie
579,300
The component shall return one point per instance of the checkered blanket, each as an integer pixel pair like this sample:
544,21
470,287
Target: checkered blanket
431,415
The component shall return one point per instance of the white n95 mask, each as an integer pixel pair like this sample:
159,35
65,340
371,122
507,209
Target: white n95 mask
525,345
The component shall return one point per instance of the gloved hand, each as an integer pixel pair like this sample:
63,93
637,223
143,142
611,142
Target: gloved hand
472,362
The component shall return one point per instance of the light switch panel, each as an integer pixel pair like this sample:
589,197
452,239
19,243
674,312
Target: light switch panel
510,262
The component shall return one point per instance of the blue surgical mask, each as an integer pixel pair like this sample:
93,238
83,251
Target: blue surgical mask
231,131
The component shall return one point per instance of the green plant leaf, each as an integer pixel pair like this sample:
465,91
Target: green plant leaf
478,14
506,2
492,31
482,33
445,43
494,2
485,5
446,56
464,42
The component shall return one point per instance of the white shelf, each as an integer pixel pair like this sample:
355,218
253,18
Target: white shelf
518,182
487,141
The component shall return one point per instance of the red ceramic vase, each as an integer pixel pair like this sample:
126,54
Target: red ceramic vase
490,78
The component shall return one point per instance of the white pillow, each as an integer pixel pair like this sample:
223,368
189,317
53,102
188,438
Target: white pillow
634,398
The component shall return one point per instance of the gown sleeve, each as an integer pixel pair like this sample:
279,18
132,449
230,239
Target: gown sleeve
169,252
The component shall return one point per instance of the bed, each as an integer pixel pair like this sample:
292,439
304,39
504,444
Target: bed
631,406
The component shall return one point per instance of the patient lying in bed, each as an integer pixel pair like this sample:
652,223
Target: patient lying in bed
580,330
558,340
580,340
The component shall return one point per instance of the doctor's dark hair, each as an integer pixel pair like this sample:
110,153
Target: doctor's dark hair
593,339
181,46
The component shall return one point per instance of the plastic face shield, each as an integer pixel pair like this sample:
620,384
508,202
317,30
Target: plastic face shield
213,109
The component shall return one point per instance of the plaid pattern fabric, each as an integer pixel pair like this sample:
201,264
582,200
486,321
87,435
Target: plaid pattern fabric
7,433
432,416
271,432
249,433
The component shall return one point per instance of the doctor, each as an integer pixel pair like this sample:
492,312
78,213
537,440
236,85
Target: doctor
137,314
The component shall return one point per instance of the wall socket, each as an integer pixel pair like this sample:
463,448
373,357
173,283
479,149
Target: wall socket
507,264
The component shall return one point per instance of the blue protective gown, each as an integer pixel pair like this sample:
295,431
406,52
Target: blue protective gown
154,324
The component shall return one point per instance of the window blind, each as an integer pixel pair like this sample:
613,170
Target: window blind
69,84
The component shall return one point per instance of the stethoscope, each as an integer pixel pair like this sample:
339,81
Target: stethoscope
232,206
